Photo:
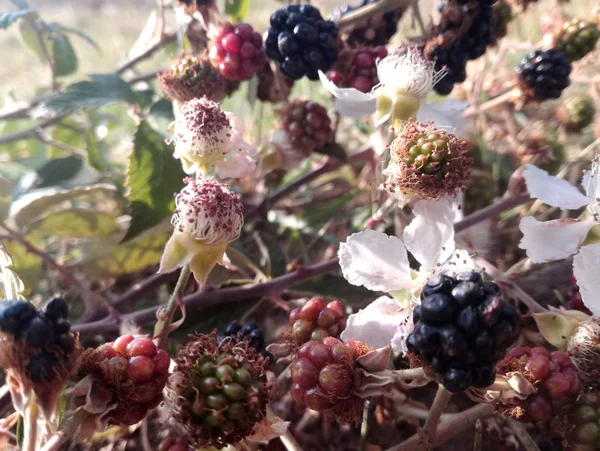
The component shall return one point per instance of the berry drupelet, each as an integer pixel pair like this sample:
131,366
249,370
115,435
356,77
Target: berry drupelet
237,52
133,370
577,38
584,422
316,320
576,112
357,68
377,30
301,41
307,125
248,331
461,329
554,376
543,74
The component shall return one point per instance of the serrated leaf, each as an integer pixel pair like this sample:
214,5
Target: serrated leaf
95,157
75,223
37,203
237,9
28,266
7,19
333,150
63,56
153,177
11,286
5,197
111,258
102,89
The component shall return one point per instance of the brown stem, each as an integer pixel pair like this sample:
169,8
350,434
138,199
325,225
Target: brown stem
449,428
159,44
438,407
491,211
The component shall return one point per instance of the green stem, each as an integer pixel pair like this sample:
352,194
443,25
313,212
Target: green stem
161,331
437,408
31,425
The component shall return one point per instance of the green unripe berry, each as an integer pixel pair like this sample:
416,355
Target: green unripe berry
576,113
235,392
243,377
207,368
588,434
224,373
212,419
585,414
577,38
209,385
236,411
216,401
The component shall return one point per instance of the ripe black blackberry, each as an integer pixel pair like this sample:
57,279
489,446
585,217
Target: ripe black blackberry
377,31
249,331
543,74
462,327
301,41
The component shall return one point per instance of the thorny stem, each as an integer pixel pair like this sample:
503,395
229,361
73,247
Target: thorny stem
163,325
440,402
449,428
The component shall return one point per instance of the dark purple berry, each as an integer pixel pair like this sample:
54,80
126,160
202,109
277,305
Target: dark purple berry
438,309
483,376
468,321
56,308
14,316
469,276
456,380
427,338
41,367
38,332
233,328
467,293
439,283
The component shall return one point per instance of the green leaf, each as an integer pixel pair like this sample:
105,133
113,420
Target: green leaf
7,19
153,176
11,286
58,27
27,265
56,171
32,37
102,89
63,55
163,108
95,157
70,132
20,432
237,9
75,223
5,197
37,203
333,150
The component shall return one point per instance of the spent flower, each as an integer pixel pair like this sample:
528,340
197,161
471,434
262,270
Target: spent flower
207,218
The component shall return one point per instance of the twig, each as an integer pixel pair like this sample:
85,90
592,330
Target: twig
491,211
507,97
365,12
75,152
217,297
139,289
447,429
163,326
440,402
523,436
164,39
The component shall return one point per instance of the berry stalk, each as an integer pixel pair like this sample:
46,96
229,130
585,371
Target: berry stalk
438,407
165,318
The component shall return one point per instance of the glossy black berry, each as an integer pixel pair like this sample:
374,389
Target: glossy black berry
248,331
301,41
233,328
66,342
38,332
61,326
461,328
14,316
544,74
249,327
57,308
41,367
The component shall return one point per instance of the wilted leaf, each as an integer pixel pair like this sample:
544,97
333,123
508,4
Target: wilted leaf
5,197
102,89
153,177
237,9
28,266
7,19
11,287
75,223
63,55
32,205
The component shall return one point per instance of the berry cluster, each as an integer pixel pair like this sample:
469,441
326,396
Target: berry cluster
316,320
301,41
543,74
577,38
464,33
357,68
323,377
585,423
577,112
461,329
45,335
307,125
133,369
378,29
554,377
237,52
217,392
249,332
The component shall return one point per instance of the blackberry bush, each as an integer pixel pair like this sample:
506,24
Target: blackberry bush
217,393
357,68
307,125
316,320
301,41
378,29
462,327
576,112
577,38
133,370
543,74
237,52
553,375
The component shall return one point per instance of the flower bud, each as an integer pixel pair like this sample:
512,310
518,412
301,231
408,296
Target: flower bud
427,162
207,217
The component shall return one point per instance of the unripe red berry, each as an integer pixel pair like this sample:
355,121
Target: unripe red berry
120,344
141,346
141,368
316,320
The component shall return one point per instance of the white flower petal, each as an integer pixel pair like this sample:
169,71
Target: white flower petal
375,260
552,190
585,270
430,236
446,114
460,260
591,184
237,167
376,324
349,101
552,240
399,339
